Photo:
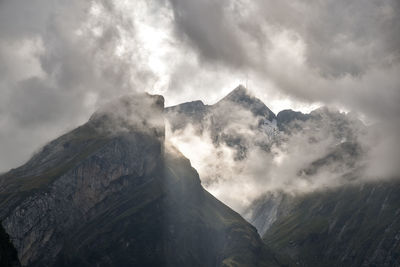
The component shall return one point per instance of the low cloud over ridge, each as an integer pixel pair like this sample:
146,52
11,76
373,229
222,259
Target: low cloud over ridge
61,59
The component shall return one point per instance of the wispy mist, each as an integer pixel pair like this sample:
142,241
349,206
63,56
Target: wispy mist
62,59
329,149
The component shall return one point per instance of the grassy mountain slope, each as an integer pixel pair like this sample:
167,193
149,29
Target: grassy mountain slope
349,226
168,221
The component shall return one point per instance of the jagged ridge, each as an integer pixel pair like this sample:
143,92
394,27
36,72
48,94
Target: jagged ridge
110,193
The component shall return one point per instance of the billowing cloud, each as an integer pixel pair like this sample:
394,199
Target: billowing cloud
338,53
61,59
325,51
241,156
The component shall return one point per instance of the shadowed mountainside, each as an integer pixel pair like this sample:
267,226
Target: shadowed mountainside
111,193
8,254
348,226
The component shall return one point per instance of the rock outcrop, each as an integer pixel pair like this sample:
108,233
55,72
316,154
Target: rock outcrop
111,193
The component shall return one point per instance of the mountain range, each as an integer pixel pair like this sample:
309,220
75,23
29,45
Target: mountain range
113,193
116,192
347,220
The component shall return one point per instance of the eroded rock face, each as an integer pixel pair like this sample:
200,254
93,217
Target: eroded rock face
109,193
38,223
130,147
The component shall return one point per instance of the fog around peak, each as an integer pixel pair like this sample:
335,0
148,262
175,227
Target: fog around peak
61,60
243,160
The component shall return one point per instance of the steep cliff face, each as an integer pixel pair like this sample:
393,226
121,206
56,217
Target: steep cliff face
349,226
61,186
109,193
40,221
168,221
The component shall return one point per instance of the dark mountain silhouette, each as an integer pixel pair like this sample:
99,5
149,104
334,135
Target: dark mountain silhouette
112,193
8,254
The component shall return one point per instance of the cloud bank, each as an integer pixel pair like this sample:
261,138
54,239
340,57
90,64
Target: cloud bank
61,59
243,160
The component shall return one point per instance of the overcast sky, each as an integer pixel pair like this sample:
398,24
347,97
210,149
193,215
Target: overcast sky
62,59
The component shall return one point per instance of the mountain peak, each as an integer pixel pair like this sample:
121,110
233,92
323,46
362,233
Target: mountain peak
129,105
136,112
244,98
120,200
239,92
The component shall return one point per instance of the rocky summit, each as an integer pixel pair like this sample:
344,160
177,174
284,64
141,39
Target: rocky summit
356,222
112,193
239,108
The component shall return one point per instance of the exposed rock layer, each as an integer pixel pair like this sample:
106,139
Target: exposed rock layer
109,193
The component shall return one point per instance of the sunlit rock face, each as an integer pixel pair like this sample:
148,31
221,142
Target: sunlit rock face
111,193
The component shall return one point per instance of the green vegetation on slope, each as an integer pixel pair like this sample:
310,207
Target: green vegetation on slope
167,221
351,226
46,166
